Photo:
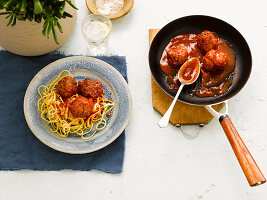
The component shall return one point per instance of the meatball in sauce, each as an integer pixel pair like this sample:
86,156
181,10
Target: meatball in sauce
90,88
214,60
207,41
177,55
67,87
217,61
81,107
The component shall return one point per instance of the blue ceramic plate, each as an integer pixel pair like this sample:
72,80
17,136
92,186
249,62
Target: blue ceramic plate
80,67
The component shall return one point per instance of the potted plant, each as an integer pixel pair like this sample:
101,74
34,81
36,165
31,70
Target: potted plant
35,27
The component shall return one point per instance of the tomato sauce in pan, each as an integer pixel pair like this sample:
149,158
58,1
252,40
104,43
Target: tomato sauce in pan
212,83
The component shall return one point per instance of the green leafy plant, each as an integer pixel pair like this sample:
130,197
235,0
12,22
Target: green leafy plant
37,10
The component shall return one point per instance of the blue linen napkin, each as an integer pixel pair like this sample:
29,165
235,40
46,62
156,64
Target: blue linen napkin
19,148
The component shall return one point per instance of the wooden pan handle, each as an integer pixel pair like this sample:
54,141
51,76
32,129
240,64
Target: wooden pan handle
246,161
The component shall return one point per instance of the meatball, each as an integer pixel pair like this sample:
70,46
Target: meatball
67,87
207,41
177,55
214,59
90,88
81,107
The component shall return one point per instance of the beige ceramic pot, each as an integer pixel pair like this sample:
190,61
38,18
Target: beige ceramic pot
26,38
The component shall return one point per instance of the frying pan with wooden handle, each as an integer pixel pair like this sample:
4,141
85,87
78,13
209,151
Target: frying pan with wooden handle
243,64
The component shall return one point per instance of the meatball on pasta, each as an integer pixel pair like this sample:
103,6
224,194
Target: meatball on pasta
67,87
90,88
81,107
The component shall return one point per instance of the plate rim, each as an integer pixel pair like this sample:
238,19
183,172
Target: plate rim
124,125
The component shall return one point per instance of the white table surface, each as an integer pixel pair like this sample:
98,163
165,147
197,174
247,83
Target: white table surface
162,163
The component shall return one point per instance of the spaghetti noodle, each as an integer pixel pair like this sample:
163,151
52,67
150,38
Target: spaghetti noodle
55,111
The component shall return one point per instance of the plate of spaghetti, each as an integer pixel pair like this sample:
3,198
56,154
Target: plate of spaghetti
77,104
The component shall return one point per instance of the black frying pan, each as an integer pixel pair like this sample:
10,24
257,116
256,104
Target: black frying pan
197,24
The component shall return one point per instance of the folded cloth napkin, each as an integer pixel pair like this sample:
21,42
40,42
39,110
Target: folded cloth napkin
19,148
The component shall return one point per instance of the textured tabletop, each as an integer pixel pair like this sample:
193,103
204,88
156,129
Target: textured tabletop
162,163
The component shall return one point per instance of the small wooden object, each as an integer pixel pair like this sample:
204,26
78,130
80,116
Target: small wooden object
182,113
128,5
